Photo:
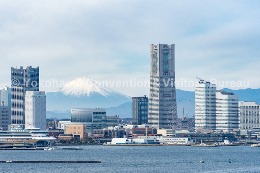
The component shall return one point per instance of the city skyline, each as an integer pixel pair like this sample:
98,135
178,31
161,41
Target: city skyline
67,39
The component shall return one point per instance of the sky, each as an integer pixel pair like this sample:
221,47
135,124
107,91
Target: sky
109,41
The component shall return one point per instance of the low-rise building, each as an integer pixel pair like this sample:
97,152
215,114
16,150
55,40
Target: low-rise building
112,121
166,132
249,115
62,124
95,118
77,130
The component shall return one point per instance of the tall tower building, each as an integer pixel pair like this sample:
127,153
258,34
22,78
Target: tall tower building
35,110
162,102
22,80
140,110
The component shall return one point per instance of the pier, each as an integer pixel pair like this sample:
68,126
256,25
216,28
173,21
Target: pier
49,161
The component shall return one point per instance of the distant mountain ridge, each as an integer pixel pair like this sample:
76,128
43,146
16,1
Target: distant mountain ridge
84,92
247,94
87,93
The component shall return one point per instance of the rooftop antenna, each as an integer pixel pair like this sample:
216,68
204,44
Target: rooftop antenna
183,113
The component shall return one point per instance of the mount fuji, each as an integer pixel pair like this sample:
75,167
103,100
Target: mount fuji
88,93
84,93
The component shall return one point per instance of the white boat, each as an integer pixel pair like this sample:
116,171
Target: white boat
48,148
255,145
204,145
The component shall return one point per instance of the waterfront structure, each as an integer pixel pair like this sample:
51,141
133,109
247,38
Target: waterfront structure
5,118
227,118
78,130
162,101
22,80
5,96
35,110
25,135
205,105
140,110
249,115
94,118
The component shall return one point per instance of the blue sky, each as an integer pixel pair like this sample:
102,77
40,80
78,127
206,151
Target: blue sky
110,40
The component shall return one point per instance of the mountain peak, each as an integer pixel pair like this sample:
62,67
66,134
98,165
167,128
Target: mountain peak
84,86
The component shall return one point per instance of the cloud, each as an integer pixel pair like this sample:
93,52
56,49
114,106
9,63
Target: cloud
110,39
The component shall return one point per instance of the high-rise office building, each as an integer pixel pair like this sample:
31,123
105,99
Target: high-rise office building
205,105
140,110
215,110
249,115
162,101
226,111
35,110
22,80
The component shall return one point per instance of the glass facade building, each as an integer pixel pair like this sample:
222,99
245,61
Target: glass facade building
94,118
140,110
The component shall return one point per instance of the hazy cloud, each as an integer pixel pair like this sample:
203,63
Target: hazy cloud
109,40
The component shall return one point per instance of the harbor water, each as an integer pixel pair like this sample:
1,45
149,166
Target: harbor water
137,159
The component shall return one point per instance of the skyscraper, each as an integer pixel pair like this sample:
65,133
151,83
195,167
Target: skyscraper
162,102
140,110
22,80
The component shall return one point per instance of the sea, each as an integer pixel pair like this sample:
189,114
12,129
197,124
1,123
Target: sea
137,159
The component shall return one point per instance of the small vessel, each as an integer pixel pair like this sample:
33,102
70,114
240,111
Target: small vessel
48,148
255,145
204,145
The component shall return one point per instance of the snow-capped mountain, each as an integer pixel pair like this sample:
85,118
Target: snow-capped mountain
84,87
84,93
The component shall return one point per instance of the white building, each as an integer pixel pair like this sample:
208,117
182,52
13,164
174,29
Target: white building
5,96
35,110
62,124
215,110
226,111
205,105
249,115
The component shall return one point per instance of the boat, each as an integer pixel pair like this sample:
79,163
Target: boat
204,145
48,148
255,145
228,143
